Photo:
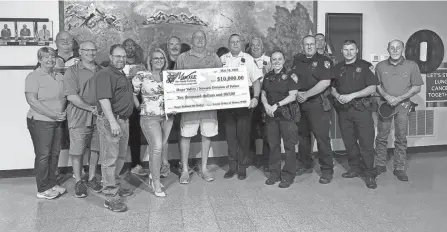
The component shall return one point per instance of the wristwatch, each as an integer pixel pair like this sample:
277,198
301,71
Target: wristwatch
257,98
277,104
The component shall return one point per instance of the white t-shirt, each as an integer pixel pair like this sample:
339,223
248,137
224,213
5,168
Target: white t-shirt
243,59
260,63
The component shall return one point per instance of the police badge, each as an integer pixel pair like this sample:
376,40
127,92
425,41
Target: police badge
327,64
314,64
358,70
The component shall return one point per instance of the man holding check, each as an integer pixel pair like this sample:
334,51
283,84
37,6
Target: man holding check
197,58
238,121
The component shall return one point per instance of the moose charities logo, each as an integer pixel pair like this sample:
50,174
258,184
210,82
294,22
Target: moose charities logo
181,76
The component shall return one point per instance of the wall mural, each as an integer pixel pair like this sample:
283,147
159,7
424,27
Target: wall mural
281,25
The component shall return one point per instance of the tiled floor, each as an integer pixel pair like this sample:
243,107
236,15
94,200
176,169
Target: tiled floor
235,206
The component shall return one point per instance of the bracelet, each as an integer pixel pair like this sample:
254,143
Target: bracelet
257,98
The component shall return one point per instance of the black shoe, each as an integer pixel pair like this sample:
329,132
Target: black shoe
242,174
122,192
80,189
94,185
271,181
284,184
371,182
115,205
229,174
401,175
351,174
325,179
300,171
380,169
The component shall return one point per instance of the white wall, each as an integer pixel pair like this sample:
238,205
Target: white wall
387,20
17,149
382,21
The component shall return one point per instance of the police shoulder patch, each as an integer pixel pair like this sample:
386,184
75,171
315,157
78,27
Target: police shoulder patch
327,64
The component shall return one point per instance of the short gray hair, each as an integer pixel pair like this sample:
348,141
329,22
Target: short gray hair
45,51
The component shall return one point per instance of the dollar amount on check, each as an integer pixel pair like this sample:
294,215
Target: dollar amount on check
205,89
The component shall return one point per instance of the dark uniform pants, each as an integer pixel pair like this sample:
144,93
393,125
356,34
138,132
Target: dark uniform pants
237,133
135,138
314,119
286,129
258,131
357,131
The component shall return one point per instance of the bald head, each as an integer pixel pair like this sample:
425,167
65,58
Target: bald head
87,45
64,42
87,51
199,39
63,35
396,42
395,49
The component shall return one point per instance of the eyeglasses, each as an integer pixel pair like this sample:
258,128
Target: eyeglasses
158,59
89,50
120,57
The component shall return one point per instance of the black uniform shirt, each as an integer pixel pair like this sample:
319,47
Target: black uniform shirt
277,86
350,78
311,70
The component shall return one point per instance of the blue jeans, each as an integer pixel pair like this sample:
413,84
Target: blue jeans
113,150
400,141
156,129
46,137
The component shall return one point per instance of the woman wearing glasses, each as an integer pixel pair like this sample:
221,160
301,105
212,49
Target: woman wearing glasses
278,91
154,123
44,94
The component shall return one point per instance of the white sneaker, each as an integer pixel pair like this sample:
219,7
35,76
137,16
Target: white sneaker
59,189
138,170
49,194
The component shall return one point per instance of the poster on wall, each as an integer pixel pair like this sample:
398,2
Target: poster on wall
25,32
436,88
280,25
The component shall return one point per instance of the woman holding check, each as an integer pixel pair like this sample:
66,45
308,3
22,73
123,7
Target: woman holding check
154,123
278,91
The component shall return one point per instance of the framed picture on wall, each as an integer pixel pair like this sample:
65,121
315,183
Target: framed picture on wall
8,31
26,30
44,31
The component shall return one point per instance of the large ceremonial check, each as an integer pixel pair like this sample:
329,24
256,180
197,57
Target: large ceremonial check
205,89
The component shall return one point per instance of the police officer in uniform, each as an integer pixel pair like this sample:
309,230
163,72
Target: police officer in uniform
323,48
313,73
352,87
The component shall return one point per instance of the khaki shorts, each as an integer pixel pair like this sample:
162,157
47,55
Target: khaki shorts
207,120
83,138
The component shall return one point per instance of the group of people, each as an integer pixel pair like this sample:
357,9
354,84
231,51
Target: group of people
103,104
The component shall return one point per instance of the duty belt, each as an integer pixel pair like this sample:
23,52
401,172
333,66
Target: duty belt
361,104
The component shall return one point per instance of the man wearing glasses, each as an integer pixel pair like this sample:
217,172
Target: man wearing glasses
81,118
115,95
400,79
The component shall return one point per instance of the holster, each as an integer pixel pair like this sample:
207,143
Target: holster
325,100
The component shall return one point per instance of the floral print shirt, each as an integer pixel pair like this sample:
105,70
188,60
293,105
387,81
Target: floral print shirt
151,94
